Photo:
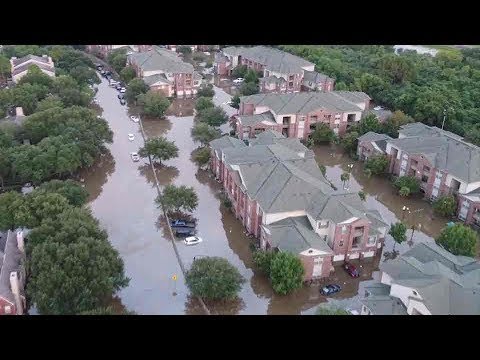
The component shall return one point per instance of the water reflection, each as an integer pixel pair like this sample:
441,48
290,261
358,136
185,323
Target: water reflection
97,175
165,174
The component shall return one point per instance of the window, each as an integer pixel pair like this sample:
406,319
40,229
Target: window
344,229
426,169
424,178
290,84
371,240
340,243
290,78
8,309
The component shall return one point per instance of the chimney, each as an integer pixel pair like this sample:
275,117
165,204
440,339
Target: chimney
20,242
19,111
15,286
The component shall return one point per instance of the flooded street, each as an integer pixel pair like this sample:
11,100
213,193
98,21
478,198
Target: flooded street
122,197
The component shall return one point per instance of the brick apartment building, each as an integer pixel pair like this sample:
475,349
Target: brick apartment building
443,162
164,71
103,50
296,115
281,72
281,197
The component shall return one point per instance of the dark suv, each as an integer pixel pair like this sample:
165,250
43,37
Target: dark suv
351,270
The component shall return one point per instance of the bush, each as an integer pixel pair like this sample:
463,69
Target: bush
248,88
203,103
458,239
286,273
322,134
214,278
263,260
206,91
445,206
409,182
154,104
239,71
215,116
377,164
202,156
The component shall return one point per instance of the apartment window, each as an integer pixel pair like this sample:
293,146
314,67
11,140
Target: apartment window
344,229
340,243
188,82
414,163
371,240
290,84
8,309
426,169
290,78
424,178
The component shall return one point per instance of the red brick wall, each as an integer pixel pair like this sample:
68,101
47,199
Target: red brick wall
3,303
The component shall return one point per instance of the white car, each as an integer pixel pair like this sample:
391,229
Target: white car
378,108
238,80
192,240
135,156
129,53
135,119
122,90
131,137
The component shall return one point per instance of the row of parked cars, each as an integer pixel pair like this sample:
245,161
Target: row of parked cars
331,289
185,228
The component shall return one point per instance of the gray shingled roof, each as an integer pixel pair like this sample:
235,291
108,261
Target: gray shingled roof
448,284
272,79
225,142
30,57
444,151
251,120
22,68
152,79
159,59
373,136
384,305
304,102
273,59
315,77
295,235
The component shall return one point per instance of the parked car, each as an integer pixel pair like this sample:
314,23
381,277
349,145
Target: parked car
183,231
193,240
135,119
121,96
182,223
351,270
135,157
130,53
330,289
118,86
122,101
238,80
122,90
131,137
102,72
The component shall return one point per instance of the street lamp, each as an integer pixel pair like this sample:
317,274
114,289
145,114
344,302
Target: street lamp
445,116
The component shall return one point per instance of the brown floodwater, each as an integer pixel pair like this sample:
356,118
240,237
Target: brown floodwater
122,195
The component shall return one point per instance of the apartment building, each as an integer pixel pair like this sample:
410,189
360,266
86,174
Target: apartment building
281,72
282,198
296,115
20,66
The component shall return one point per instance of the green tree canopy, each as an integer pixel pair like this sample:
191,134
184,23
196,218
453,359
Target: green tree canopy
202,156
127,74
215,116
239,71
70,189
10,203
206,91
236,102
176,198
286,273
203,103
409,182
154,104
135,88
204,133
214,278
398,231
377,164
159,149
322,134
445,205
458,239
117,59
249,88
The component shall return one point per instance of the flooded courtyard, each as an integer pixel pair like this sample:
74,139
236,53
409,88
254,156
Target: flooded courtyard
122,195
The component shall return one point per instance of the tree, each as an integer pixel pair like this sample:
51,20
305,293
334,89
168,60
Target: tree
286,273
204,133
398,232
185,50
84,75
176,198
362,195
159,149
404,191
36,76
50,102
398,69
70,189
135,88
393,123
127,74
331,310
344,177
458,239
214,278
10,203
28,95
108,310
377,164
74,277
322,134
445,205
239,71
409,182
206,91
202,156
323,169
349,142
203,103
5,67
263,260
248,88
154,104
71,92
117,59
215,116
251,76
236,102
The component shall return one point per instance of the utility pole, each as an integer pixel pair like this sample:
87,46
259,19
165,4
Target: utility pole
444,117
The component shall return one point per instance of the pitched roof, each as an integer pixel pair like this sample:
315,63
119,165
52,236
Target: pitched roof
159,59
295,234
265,118
379,301
26,58
315,77
272,79
373,136
448,284
273,59
444,150
153,79
226,142
25,67
305,102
